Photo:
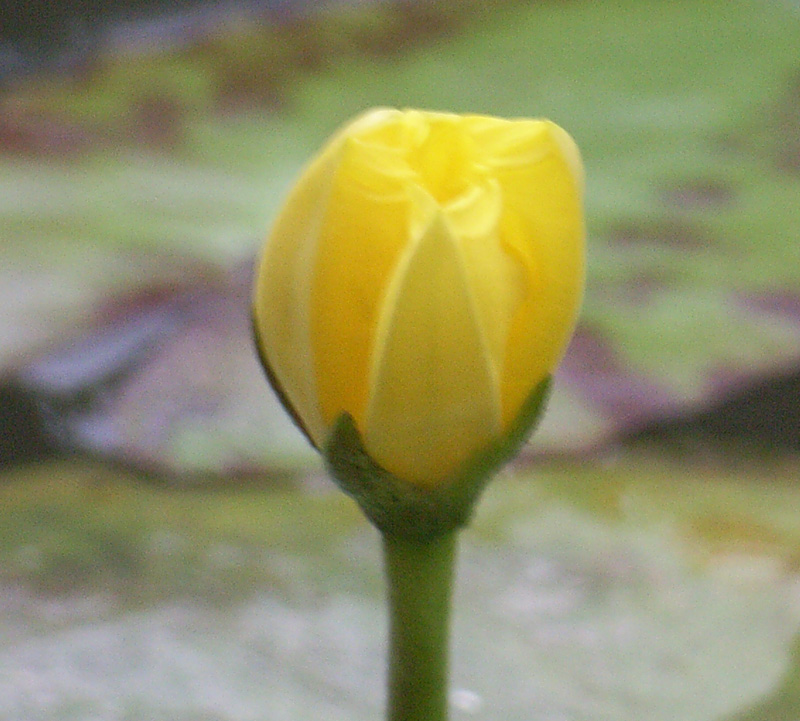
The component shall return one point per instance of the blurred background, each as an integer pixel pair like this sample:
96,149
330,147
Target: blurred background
169,545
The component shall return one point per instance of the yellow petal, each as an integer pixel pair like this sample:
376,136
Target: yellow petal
418,242
509,143
433,401
363,234
283,289
495,277
543,227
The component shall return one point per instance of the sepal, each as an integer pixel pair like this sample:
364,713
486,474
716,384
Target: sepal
401,509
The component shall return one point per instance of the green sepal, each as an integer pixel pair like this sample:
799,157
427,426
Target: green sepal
399,508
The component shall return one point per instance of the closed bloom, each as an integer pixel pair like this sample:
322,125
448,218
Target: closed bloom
423,276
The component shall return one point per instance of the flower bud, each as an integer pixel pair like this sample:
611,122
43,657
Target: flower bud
424,277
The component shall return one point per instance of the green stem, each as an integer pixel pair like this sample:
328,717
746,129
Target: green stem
420,579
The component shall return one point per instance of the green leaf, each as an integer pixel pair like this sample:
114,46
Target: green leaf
166,168
634,589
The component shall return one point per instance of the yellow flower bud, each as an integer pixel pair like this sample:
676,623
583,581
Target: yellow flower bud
424,276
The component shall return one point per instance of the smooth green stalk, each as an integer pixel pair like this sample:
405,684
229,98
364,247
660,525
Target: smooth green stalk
419,527
420,581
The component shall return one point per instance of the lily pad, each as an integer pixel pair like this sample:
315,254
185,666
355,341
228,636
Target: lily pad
156,171
634,590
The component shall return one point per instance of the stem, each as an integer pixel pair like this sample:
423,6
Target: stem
420,576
